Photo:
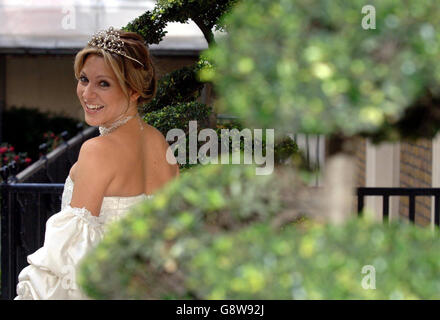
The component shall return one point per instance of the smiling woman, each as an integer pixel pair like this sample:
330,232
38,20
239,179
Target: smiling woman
126,164
121,77
101,96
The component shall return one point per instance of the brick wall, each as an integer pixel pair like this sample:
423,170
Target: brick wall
415,171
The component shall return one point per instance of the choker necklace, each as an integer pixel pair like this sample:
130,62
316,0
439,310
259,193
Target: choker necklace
106,130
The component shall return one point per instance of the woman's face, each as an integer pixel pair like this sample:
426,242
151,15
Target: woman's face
99,86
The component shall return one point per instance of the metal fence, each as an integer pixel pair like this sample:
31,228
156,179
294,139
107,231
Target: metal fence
25,210
411,193
53,167
26,206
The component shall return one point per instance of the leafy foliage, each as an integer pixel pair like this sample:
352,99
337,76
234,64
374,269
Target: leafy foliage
318,71
205,13
184,85
178,116
149,27
318,262
218,240
420,120
208,11
176,87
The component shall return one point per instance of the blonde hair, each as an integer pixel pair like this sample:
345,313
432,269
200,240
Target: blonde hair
130,74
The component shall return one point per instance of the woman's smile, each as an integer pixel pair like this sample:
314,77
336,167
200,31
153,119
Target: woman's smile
90,108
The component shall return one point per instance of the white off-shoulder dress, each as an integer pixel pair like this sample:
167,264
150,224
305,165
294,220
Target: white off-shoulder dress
70,234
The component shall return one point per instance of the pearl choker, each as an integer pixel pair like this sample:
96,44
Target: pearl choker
106,130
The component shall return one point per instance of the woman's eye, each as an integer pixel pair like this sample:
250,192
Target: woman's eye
102,83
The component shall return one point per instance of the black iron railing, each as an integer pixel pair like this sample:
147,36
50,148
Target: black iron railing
25,210
53,167
26,206
411,193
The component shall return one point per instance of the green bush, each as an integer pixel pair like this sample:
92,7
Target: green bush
218,240
317,262
132,260
205,13
178,116
309,66
176,87
182,85
284,149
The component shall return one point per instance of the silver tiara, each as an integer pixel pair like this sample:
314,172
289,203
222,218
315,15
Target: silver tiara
110,40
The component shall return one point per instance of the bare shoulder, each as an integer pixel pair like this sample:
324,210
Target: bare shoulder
93,174
94,152
157,139
95,159
155,135
167,164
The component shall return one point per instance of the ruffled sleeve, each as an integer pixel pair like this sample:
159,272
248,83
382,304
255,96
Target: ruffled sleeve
51,273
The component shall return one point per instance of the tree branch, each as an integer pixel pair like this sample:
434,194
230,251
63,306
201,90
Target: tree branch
207,33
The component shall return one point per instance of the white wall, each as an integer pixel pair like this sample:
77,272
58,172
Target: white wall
382,170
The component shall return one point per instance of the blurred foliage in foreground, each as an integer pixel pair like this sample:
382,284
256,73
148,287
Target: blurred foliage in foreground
235,235
154,237
317,262
309,66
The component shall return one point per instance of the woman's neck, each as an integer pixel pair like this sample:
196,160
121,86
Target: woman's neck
122,122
